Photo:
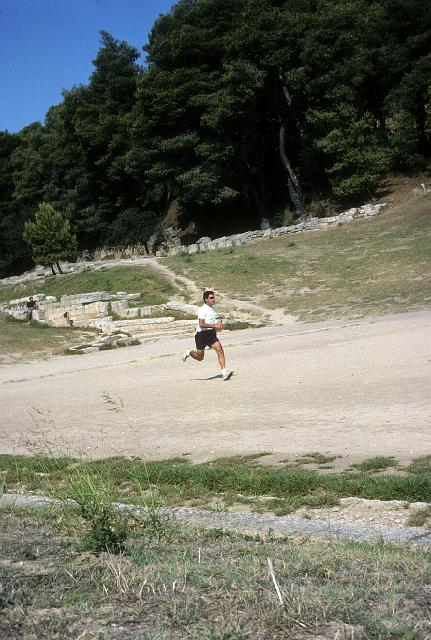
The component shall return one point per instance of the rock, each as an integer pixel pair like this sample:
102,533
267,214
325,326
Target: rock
155,308
119,306
192,248
177,305
134,312
86,298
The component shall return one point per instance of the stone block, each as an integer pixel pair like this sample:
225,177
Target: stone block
119,306
86,298
312,223
192,248
132,313
177,305
330,220
155,308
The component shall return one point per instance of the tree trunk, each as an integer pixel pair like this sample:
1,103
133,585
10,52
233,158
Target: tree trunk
292,180
53,270
58,267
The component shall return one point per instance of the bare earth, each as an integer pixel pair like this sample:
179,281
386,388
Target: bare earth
354,388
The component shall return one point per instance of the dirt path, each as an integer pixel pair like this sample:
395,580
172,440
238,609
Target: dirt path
239,309
354,389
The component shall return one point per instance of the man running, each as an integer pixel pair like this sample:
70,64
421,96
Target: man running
206,334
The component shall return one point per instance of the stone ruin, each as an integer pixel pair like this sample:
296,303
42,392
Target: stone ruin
98,310
109,314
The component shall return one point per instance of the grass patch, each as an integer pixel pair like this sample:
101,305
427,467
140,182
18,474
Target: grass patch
420,518
374,266
421,466
22,341
153,287
378,463
238,325
206,585
315,458
179,482
173,313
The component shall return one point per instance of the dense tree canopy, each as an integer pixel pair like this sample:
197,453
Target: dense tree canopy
244,108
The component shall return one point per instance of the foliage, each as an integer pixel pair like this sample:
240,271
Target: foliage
133,227
49,236
237,99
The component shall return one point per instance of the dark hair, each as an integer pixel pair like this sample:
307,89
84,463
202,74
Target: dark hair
207,294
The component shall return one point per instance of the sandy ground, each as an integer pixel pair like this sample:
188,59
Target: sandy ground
355,389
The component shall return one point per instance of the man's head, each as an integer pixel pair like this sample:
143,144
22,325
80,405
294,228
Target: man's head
209,298
30,299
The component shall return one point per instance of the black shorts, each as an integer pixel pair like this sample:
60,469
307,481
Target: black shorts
205,339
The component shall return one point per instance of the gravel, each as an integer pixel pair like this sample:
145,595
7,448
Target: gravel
252,523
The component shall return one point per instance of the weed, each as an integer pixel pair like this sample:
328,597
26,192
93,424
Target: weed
421,466
237,325
315,458
93,490
185,257
210,585
376,464
420,517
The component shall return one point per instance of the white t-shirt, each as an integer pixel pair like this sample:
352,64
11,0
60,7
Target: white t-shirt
208,315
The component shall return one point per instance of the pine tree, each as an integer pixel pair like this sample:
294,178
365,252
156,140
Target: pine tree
50,237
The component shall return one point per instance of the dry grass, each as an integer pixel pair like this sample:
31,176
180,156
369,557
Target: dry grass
206,585
22,342
153,287
375,266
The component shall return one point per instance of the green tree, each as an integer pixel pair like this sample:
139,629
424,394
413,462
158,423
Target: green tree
13,253
50,237
134,226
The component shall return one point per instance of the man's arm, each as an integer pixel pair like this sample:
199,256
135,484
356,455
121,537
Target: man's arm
204,325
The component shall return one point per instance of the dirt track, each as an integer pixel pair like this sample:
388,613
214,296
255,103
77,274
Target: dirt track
356,389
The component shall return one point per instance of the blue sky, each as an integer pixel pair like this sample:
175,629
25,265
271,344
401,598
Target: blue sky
49,45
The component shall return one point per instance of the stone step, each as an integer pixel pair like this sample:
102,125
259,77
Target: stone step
172,332
145,325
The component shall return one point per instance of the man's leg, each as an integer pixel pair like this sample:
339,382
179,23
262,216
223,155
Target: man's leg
225,373
220,354
197,354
